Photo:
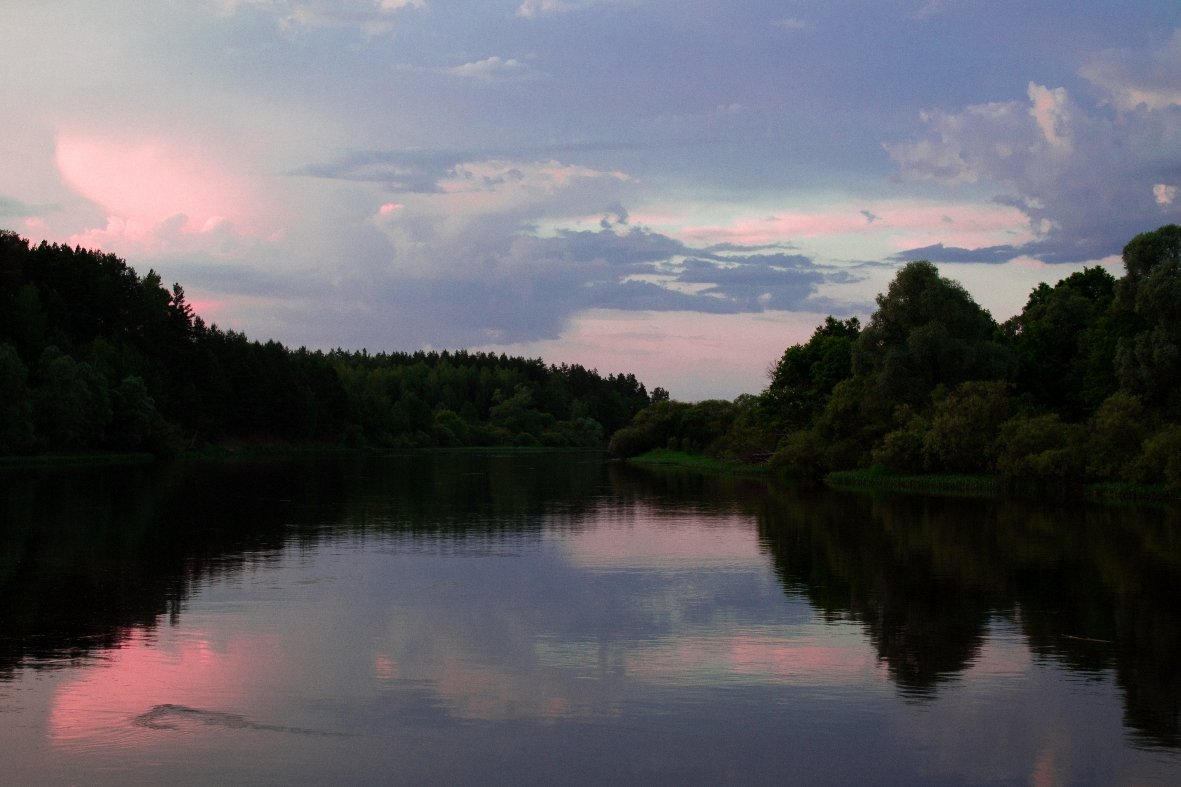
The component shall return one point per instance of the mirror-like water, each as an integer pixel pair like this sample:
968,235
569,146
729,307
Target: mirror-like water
505,618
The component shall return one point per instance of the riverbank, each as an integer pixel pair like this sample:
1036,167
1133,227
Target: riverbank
87,459
960,485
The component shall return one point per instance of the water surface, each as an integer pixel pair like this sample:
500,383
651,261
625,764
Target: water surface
505,618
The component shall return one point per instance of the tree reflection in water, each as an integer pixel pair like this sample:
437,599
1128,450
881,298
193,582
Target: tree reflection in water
1093,588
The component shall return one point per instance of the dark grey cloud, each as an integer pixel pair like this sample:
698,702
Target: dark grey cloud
635,247
527,288
758,282
1087,178
941,253
238,279
410,171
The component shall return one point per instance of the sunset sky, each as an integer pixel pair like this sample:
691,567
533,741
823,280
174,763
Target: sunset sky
675,188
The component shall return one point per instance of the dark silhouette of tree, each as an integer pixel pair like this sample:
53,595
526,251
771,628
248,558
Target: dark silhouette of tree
1149,361
100,358
1064,341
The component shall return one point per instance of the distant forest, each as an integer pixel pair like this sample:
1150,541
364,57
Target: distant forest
94,357
1083,385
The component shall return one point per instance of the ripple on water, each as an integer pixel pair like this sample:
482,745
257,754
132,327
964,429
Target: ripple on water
183,717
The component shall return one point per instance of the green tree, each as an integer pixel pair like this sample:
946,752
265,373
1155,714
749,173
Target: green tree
133,416
902,448
1160,459
1040,447
1149,362
518,416
1064,343
964,425
806,374
1117,432
16,407
71,403
653,427
927,331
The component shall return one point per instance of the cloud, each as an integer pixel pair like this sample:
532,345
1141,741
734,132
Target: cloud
905,223
1165,195
531,9
791,24
371,17
491,69
153,192
934,7
502,250
1083,178
940,253
14,208
398,171
1146,78
1051,112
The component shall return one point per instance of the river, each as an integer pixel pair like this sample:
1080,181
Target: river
541,617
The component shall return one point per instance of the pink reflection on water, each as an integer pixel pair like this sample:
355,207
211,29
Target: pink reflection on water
639,536
763,656
102,703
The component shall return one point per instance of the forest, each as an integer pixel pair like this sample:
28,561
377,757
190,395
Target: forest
1081,386
95,358
1084,385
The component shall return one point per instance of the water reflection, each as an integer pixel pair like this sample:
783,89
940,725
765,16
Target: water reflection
1092,588
90,555
552,599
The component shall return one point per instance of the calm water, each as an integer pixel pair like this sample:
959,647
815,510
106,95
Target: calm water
504,619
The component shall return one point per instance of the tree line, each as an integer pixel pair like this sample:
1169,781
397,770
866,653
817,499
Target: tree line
95,357
1083,385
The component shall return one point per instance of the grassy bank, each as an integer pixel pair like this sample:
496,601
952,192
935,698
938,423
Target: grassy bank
942,483
66,460
990,485
965,485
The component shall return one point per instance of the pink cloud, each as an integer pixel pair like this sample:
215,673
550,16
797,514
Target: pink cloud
152,189
900,225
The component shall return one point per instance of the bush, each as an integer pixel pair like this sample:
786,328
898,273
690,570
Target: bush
902,449
1159,460
1040,446
964,425
1117,432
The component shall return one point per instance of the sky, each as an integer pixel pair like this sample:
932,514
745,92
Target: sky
679,189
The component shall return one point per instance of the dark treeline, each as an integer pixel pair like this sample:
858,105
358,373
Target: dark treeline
1083,385
95,357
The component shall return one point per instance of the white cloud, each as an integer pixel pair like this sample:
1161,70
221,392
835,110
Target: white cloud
490,69
1164,194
